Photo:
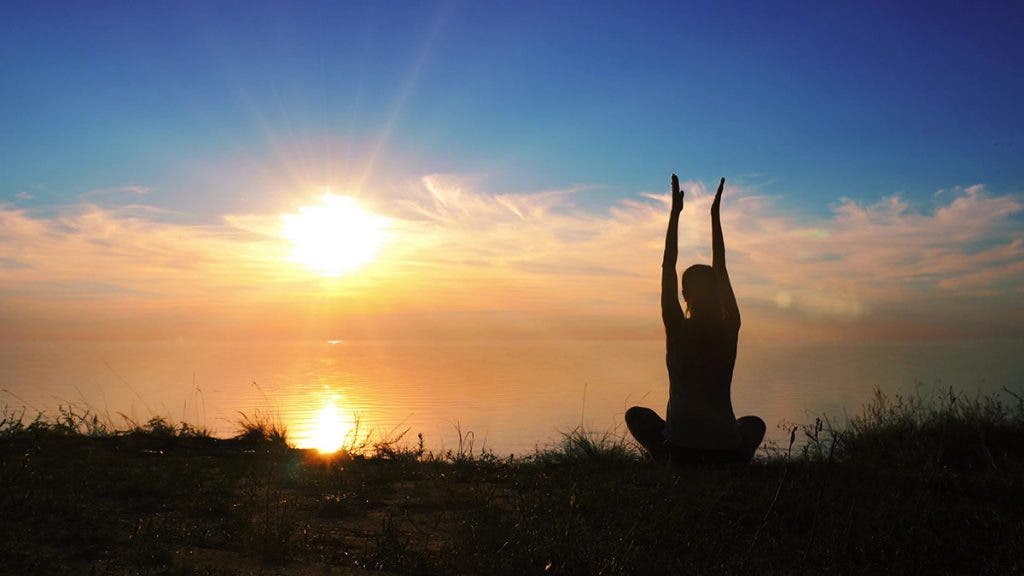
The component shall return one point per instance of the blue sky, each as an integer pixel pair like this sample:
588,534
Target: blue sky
806,102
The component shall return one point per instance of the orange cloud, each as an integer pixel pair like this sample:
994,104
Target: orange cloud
536,261
861,257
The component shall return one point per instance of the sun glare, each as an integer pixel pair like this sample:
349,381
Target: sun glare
334,237
330,429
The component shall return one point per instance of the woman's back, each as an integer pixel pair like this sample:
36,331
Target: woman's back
700,357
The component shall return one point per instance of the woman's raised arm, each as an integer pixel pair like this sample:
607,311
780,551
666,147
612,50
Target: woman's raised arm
671,311
730,309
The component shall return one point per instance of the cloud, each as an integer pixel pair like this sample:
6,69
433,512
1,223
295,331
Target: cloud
132,247
862,263
461,255
115,191
889,253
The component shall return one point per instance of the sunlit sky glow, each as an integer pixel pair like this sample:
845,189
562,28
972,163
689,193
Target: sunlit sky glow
163,168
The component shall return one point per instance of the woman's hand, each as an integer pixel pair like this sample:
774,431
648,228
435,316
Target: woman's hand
716,205
677,195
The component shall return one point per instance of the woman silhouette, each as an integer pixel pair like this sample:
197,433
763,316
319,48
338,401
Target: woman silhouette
699,426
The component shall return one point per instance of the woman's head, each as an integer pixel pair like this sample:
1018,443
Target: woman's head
700,290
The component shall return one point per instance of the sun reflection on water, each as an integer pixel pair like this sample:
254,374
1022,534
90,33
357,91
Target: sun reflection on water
329,429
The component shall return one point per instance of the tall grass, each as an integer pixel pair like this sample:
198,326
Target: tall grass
261,427
580,445
80,419
949,430
75,422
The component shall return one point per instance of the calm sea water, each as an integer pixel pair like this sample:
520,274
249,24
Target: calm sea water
512,396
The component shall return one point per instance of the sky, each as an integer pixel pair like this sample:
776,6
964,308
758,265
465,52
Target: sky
518,156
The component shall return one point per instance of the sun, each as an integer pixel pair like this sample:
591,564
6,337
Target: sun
335,236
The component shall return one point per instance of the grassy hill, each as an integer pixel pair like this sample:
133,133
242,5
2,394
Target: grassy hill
905,487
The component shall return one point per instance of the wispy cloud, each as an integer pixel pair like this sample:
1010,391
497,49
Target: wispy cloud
457,252
861,256
114,192
132,247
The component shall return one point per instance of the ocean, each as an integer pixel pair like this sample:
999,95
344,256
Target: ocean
505,396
